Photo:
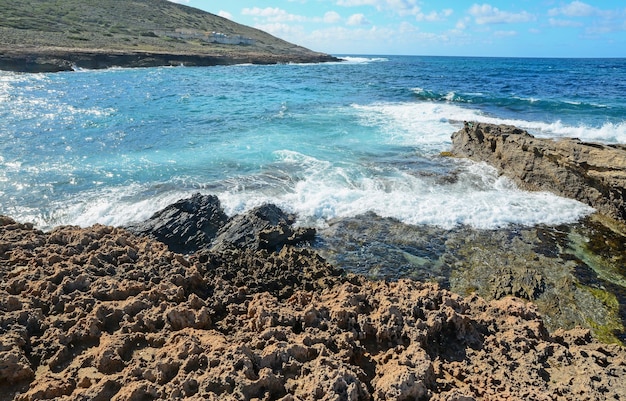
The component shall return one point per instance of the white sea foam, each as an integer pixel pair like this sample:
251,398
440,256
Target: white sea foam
431,124
362,60
426,124
479,198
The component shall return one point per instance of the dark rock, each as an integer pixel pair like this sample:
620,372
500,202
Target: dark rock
592,173
185,226
55,60
200,223
264,227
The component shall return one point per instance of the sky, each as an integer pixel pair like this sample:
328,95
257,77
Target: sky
524,28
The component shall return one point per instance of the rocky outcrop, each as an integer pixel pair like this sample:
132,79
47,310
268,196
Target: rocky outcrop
264,227
589,172
199,222
56,60
99,313
185,226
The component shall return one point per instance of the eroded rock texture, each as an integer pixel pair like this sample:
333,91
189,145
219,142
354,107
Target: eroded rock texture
589,172
101,314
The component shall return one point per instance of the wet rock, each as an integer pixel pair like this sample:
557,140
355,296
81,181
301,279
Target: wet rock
592,173
185,226
264,227
199,222
573,273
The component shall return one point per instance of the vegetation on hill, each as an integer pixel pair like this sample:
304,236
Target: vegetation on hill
36,26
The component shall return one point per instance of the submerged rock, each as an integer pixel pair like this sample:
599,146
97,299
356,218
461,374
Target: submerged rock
592,173
575,274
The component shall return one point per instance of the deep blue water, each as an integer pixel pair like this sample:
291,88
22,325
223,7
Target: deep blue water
323,140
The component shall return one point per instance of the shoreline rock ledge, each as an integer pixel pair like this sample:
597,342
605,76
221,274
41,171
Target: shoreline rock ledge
592,173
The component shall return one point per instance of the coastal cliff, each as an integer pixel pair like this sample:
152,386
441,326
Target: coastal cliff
43,36
592,173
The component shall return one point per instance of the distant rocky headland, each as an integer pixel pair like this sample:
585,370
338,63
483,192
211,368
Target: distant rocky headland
56,60
44,36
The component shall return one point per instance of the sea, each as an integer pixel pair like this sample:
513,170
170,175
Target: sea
324,141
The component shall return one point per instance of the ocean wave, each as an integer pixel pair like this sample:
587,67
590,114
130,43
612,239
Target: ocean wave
430,124
362,60
478,198
507,102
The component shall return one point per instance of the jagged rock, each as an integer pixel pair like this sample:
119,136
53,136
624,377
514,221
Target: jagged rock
185,226
82,321
199,222
264,227
592,173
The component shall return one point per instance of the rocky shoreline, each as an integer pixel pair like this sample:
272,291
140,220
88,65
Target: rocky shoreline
36,60
245,310
193,304
592,173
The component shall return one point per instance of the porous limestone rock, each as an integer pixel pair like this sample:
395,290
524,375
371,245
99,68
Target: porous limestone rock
99,313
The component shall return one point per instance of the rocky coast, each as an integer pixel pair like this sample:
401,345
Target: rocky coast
192,304
51,59
592,173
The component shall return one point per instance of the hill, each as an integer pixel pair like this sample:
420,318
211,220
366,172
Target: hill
56,35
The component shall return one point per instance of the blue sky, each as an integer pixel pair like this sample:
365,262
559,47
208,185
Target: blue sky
524,28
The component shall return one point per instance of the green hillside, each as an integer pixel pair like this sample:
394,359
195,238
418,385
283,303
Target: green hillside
159,26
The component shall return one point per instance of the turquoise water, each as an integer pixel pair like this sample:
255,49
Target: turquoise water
324,140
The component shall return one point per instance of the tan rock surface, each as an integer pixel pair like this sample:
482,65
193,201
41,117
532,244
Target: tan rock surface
100,314
592,173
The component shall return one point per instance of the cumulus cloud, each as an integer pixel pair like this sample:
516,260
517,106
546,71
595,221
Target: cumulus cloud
357,19
401,7
574,9
564,23
225,14
504,33
272,14
486,14
332,17
281,30
434,15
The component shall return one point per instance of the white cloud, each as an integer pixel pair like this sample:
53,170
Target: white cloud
401,7
272,14
331,17
564,23
180,1
357,19
574,9
462,24
486,14
357,3
225,14
285,31
434,15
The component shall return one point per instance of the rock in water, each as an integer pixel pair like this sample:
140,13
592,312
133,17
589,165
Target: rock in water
185,226
199,222
264,227
589,172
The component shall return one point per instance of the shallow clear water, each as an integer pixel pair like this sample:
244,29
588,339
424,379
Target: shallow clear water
325,141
